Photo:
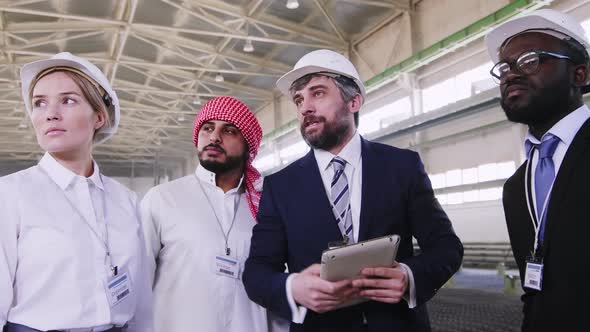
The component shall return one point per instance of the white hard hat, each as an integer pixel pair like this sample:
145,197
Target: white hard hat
548,21
30,71
317,62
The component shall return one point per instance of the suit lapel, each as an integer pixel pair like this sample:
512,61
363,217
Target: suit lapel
371,166
578,147
315,196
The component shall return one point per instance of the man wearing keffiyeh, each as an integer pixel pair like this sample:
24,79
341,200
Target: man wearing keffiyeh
228,112
198,228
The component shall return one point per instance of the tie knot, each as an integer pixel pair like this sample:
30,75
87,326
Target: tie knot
547,147
338,164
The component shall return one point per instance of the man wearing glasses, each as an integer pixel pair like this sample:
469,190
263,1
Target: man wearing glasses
542,70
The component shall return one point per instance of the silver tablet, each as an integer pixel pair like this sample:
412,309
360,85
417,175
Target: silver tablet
348,261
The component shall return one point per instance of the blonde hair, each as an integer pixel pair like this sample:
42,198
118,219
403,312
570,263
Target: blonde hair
91,90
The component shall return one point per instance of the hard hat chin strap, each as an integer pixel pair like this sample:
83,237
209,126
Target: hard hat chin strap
107,100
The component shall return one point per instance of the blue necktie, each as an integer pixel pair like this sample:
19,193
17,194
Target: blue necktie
341,198
544,176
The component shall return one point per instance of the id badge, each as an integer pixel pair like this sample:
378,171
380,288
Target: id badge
227,266
118,288
533,277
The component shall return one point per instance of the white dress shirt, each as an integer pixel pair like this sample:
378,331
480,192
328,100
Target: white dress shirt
183,237
566,129
53,266
351,153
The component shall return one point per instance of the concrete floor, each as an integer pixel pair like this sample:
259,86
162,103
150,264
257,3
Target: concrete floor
476,301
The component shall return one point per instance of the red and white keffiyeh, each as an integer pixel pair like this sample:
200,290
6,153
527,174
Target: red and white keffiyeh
235,112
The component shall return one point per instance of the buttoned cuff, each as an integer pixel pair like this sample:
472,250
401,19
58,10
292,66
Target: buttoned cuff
410,295
297,312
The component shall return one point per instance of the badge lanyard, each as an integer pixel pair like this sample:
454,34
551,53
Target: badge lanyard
536,219
104,240
225,235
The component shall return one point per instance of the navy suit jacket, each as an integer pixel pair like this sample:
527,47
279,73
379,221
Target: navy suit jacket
296,223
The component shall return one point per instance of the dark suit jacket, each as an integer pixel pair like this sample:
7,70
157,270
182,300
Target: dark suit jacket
295,224
560,304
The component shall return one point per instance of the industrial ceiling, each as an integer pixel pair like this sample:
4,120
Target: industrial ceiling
165,58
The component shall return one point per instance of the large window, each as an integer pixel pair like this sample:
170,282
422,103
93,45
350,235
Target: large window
473,175
265,163
293,152
385,116
461,86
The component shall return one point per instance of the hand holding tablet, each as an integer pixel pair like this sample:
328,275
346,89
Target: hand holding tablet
348,261
366,260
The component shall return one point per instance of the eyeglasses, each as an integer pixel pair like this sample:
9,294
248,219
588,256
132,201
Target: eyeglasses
527,64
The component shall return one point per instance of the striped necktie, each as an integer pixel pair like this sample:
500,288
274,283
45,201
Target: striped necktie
341,199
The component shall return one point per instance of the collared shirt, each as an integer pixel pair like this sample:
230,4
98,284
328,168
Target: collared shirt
352,154
53,265
566,129
183,237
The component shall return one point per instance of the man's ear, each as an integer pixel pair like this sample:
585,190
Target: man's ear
580,75
355,103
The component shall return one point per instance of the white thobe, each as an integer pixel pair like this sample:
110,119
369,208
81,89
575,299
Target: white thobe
183,236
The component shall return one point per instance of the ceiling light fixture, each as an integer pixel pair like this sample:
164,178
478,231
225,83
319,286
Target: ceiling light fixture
292,4
197,101
180,117
248,46
219,78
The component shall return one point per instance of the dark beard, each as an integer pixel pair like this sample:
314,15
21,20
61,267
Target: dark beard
216,167
332,134
544,106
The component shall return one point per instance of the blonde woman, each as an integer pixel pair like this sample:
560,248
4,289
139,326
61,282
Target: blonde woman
71,254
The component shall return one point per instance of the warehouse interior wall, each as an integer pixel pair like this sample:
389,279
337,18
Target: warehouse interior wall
467,136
